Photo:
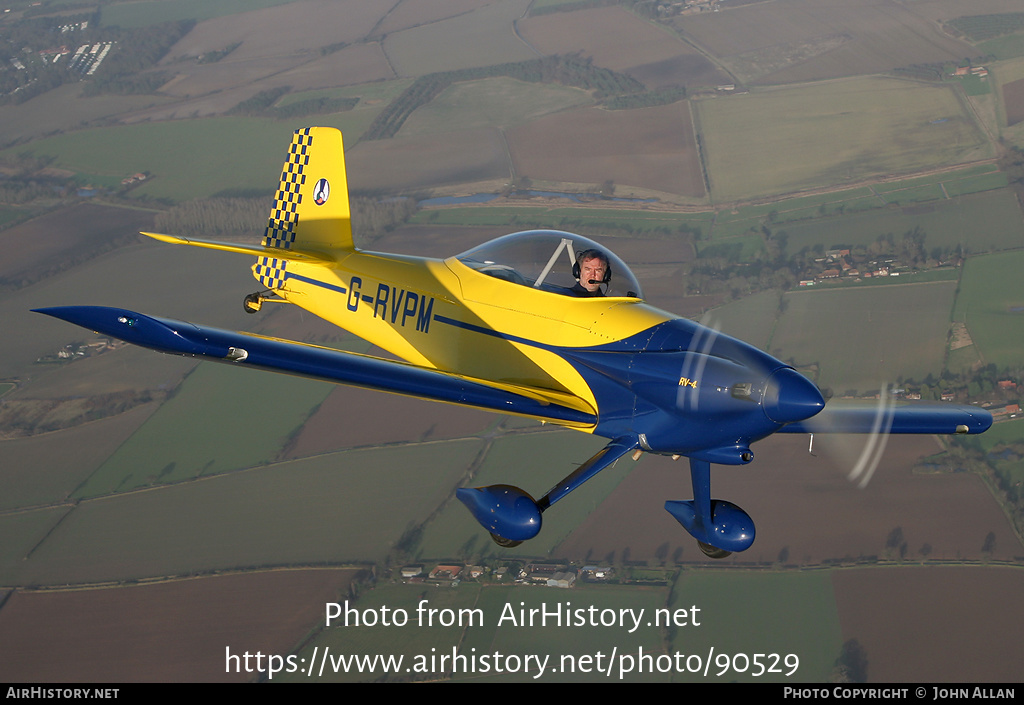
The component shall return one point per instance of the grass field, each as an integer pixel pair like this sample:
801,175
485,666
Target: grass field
23,532
188,158
484,37
944,185
750,319
789,139
979,223
371,95
46,469
408,640
864,337
758,613
1009,47
805,618
583,220
807,41
336,508
219,420
991,303
535,462
567,646
135,277
417,642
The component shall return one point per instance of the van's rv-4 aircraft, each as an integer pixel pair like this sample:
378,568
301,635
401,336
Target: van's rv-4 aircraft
499,328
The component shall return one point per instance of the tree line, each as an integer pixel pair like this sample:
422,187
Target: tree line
235,218
568,70
262,105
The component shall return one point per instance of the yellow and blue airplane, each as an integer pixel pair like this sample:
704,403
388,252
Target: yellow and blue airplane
518,326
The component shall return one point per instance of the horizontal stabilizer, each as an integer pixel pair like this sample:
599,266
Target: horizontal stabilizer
181,338
924,417
295,255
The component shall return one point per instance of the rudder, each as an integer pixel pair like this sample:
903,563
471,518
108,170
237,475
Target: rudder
311,206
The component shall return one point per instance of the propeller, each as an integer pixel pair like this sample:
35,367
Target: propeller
861,452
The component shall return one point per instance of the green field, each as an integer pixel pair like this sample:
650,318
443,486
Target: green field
863,337
544,4
973,179
787,139
220,419
1008,47
791,614
188,158
572,642
481,608
535,462
335,508
991,304
1011,468
781,613
484,37
807,219
750,319
409,640
370,94
23,532
979,222
582,219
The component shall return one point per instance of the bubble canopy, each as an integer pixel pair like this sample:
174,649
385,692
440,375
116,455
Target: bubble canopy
544,259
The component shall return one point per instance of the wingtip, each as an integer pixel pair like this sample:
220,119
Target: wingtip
172,239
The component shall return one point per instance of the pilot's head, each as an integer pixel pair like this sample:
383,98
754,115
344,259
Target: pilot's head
592,270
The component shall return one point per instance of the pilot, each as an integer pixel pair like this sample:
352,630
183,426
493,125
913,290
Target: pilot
590,271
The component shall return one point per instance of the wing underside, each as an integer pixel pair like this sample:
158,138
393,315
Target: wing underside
940,417
297,255
181,338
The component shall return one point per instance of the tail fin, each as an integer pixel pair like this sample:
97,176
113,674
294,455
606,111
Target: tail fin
311,207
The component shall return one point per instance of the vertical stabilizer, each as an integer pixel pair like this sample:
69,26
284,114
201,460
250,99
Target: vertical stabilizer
311,207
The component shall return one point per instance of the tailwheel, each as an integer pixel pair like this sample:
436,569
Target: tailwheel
713,551
253,302
504,542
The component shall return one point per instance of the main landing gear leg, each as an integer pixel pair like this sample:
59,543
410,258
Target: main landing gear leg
721,528
512,516
700,478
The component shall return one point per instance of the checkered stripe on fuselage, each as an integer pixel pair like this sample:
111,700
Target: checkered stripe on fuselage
284,216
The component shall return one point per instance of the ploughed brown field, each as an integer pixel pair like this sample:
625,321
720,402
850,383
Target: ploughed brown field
352,417
651,148
1013,97
406,15
409,163
805,509
934,625
172,631
65,237
615,38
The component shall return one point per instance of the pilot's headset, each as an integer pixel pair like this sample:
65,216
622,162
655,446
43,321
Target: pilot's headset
592,254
